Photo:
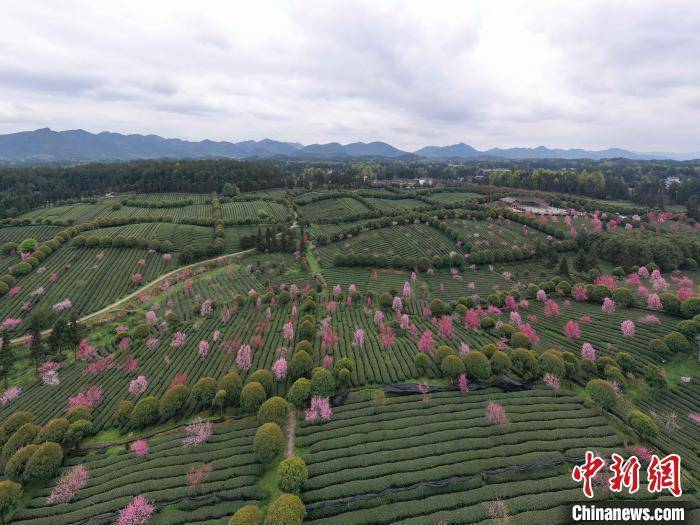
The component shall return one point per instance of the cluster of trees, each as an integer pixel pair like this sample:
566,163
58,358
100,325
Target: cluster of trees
277,238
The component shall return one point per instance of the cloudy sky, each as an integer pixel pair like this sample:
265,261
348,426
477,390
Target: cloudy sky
569,73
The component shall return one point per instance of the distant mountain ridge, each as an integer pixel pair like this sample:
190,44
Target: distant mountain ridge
45,145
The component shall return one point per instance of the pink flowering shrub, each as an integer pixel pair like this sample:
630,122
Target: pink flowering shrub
288,331
136,278
87,398
203,348
198,431
137,512
319,410
198,475
178,340
138,386
627,328
358,338
463,384
426,343
496,415
140,447
608,305
587,351
551,308
552,381
572,330
9,395
654,302
279,368
68,485
244,357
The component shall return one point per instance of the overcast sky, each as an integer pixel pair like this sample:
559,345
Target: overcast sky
494,73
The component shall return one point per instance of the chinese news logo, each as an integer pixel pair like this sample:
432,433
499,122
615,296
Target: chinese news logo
662,473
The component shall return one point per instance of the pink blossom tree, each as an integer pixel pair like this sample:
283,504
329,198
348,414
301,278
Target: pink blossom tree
551,308
627,328
87,398
572,330
68,485
85,351
288,331
426,343
471,319
198,431
279,368
386,337
244,357
588,352
654,302
178,340
580,293
552,382
138,386
137,512
608,305
496,415
463,384
136,278
319,410
203,348
198,474
139,447
358,338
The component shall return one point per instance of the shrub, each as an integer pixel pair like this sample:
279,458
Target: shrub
344,363
78,431
504,330
78,413
477,366
690,307
520,340
292,474
487,323
288,509
550,362
654,377
442,352
14,468
571,364
145,412
589,367
601,393
604,361
268,442
44,463
489,350
500,362
172,401
422,362
124,409
307,330
613,373
689,328
623,297
203,391
626,361
22,436
452,366
300,392
642,424
676,342
252,396
247,515
322,383
14,421
53,430
670,303
300,365
141,331
437,307
264,377
10,493
524,363
232,384
273,410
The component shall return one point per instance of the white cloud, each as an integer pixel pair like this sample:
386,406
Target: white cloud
564,74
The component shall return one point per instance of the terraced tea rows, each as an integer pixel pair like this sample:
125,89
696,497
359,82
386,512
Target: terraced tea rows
117,475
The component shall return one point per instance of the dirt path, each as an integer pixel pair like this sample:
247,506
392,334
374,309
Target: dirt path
143,289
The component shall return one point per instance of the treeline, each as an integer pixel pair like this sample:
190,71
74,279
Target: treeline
591,184
670,251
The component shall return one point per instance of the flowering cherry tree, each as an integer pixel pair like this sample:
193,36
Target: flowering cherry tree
139,447
427,342
627,328
552,382
608,305
9,395
288,331
198,431
68,485
496,415
203,348
87,398
244,357
319,410
588,352
138,386
137,512
178,340
279,368
572,330
551,308
358,338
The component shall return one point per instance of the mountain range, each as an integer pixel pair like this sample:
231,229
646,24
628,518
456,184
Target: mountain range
45,145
